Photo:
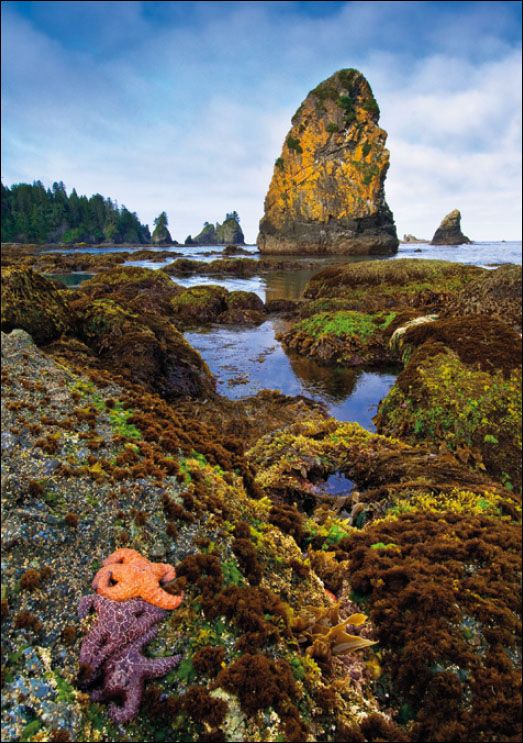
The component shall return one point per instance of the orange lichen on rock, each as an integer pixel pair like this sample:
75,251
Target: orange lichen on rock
126,574
327,190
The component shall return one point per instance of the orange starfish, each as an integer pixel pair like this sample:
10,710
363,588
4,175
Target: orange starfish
127,556
126,575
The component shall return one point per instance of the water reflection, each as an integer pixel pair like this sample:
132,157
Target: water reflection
247,360
70,279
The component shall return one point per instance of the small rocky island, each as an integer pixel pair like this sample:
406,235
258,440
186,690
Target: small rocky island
327,190
449,232
161,235
407,238
228,232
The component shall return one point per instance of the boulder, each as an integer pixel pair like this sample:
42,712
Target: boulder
34,304
243,307
145,348
134,288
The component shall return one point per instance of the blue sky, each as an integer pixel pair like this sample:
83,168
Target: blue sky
184,106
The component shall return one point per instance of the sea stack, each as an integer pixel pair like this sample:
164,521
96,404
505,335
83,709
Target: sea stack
229,231
327,190
449,232
161,235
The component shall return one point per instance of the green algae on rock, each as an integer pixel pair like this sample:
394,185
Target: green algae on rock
343,337
461,389
327,190
141,475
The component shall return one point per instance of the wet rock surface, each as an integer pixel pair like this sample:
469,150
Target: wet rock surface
109,440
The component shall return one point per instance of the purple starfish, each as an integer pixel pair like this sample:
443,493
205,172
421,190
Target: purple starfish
125,673
120,623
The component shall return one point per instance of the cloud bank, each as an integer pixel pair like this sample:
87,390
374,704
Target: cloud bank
184,107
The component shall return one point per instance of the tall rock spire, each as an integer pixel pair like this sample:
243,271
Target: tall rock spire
327,190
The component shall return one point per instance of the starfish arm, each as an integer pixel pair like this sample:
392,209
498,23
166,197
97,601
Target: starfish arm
157,596
101,578
124,577
165,573
123,555
157,667
86,605
97,695
149,635
147,613
131,705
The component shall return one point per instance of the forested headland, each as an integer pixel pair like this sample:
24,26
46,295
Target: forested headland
32,213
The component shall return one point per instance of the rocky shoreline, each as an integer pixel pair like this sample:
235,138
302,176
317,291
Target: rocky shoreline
113,436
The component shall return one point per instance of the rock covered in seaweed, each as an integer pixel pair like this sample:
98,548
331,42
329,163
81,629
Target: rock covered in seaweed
146,348
449,232
327,190
461,391
33,303
446,622
494,293
142,474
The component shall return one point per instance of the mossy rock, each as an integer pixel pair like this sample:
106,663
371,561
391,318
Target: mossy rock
343,337
460,389
135,288
442,402
380,285
199,304
31,302
144,348
287,460
479,341
241,300
244,267
243,308
495,293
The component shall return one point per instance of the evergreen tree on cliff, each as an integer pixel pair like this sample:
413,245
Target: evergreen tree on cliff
228,232
161,235
30,213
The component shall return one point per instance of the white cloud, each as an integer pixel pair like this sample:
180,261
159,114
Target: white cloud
190,119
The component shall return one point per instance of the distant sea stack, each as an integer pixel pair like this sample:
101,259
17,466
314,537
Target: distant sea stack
449,232
161,235
413,239
327,190
228,232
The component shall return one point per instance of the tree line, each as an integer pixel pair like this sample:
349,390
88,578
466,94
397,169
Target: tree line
32,213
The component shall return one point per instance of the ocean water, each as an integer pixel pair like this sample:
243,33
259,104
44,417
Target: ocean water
485,254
